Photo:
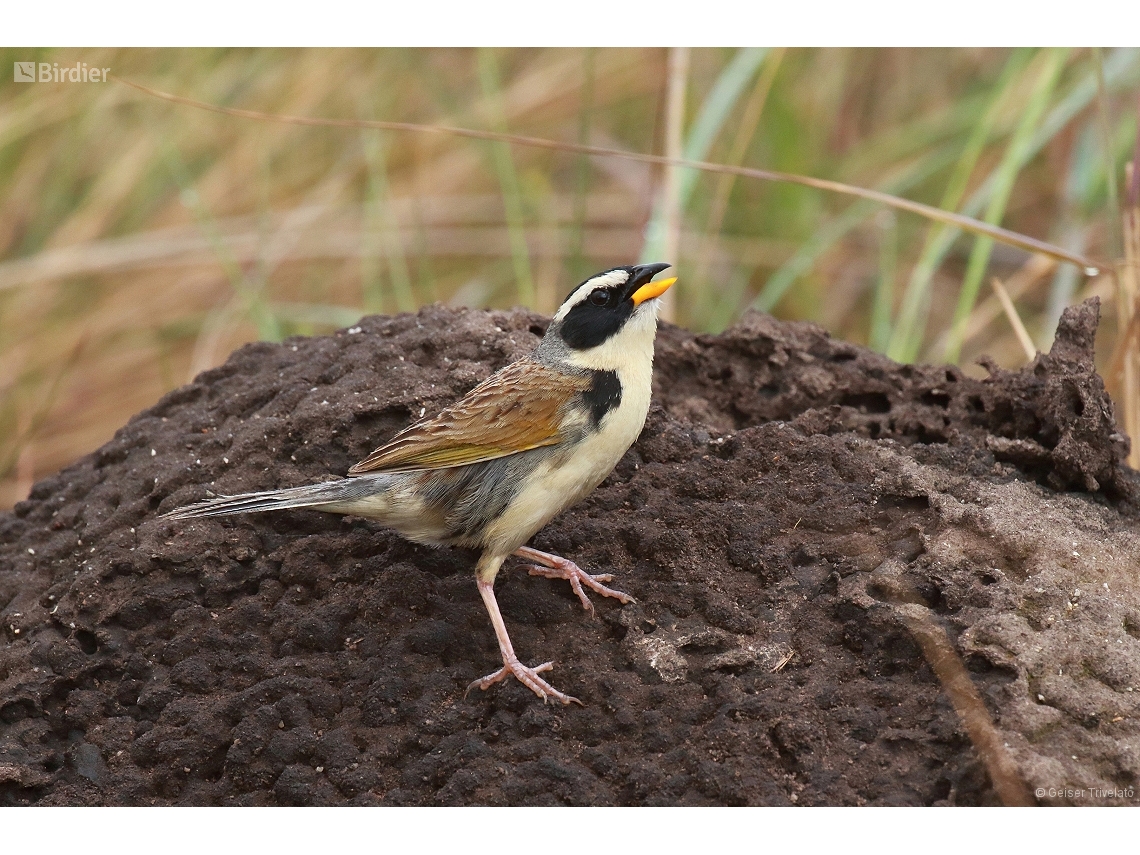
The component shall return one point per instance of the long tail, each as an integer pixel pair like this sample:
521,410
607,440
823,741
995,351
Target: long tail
345,496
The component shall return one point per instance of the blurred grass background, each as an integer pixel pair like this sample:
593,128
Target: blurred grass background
141,241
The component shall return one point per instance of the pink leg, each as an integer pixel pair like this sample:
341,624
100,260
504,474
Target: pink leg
555,567
512,667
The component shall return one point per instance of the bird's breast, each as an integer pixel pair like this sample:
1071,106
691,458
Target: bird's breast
570,473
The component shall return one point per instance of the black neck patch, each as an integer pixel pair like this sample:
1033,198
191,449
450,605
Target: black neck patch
587,325
603,395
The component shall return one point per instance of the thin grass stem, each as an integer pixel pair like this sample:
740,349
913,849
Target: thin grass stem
577,263
745,131
380,213
826,236
1006,175
908,329
885,284
491,86
1014,319
1115,226
961,221
249,293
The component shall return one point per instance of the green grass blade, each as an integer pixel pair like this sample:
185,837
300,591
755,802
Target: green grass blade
723,303
906,335
1085,180
371,282
489,82
317,314
1006,174
578,266
730,84
715,111
1121,70
825,237
250,294
1115,232
884,297
380,219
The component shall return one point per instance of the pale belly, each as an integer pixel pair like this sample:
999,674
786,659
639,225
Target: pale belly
558,484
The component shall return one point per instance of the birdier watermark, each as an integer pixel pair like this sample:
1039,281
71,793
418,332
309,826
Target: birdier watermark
53,72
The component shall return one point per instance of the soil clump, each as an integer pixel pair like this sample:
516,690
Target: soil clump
791,504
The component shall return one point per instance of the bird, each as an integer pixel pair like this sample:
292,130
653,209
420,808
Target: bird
528,442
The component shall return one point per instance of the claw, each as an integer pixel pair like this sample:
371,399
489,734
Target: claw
551,567
556,567
512,667
529,678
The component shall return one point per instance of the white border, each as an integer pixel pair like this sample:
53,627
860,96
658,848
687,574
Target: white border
568,23
494,831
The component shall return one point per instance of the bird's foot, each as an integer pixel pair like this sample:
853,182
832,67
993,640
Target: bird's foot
529,678
556,567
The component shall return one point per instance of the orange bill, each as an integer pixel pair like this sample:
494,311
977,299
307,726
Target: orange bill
651,289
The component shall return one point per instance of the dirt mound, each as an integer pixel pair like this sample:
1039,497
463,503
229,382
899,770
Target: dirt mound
794,509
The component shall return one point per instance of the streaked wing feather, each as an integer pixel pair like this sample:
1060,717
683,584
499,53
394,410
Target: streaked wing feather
517,409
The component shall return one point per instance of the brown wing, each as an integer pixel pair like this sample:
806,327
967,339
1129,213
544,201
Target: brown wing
517,409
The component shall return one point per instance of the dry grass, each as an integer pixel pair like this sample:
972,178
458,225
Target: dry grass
141,241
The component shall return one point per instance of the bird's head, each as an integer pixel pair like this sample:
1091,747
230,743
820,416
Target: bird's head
609,318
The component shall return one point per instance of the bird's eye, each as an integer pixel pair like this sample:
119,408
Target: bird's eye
600,298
